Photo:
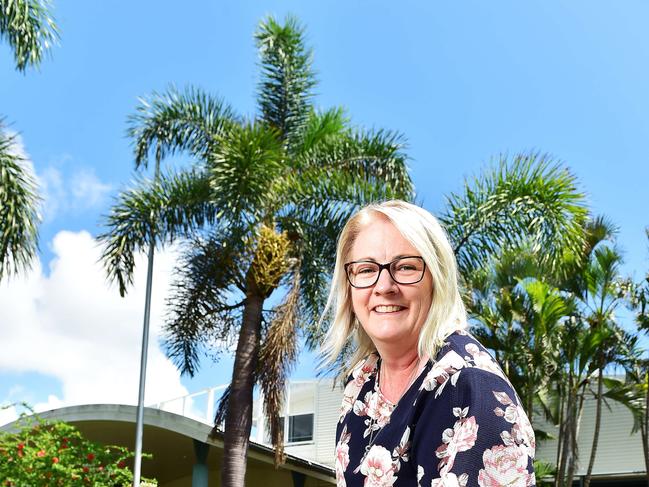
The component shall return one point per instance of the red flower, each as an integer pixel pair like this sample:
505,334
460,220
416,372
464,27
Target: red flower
86,470
90,457
41,453
121,464
21,446
55,459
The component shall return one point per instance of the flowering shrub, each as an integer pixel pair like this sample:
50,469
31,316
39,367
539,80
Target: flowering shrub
43,453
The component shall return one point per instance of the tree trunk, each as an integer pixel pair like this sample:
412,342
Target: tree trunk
566,425
574,455
562,427
238,418
530,398
598,420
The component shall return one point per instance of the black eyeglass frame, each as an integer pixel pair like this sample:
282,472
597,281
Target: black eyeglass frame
387,267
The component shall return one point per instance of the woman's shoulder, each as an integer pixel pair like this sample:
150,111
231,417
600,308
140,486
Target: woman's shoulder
463,356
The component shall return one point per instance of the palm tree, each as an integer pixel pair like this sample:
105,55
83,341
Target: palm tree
527,201
553,329
19,202
30,30
259,212
519,315
595,282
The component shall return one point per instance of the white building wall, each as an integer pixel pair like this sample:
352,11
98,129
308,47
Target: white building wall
329,400
618,450
326,404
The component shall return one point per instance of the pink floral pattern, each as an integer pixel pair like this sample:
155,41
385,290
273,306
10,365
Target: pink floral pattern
505,466
377,410
459,424
361,373
482,360
457,439
521,432
342,458
378,467
450,480
448,367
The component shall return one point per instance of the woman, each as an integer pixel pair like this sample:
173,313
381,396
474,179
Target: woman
425,403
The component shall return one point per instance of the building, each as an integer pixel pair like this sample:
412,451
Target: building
176,433
183,455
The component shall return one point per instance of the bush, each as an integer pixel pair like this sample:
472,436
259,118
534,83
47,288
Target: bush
54,453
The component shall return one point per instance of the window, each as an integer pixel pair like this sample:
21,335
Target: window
300,428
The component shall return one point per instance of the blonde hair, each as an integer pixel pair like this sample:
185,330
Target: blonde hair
423,231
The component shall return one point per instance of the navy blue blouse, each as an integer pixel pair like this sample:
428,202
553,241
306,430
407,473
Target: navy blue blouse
459,424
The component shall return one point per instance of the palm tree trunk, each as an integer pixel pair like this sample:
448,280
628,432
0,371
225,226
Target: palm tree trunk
562,429
598,420
530,397
574,454
564,439
238,419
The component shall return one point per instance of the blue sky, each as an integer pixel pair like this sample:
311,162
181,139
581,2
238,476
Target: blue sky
463,81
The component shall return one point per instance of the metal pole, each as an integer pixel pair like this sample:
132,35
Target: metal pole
139,423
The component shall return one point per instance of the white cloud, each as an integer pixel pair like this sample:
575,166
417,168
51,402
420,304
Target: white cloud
72,326
76,192
87,189
53,192
7,414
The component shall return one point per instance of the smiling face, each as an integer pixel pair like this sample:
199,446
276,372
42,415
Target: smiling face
391,314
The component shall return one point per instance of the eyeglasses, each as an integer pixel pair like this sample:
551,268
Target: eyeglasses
404,270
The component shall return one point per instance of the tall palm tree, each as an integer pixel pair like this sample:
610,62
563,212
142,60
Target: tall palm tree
261,210
595,282
30,30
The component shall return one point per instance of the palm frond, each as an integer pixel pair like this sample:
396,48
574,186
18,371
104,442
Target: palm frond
164,210
287,79
277,357
29,28
174,121
376,156
321,128
19,216
204,302
243,172
315,230
531,200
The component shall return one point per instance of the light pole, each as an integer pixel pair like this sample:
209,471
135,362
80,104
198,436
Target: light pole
139,422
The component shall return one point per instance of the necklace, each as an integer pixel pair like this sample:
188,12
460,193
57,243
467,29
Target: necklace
374,427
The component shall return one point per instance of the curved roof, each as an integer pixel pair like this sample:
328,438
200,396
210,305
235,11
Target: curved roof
168,437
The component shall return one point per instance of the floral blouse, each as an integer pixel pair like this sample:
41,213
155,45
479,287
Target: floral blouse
459,424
